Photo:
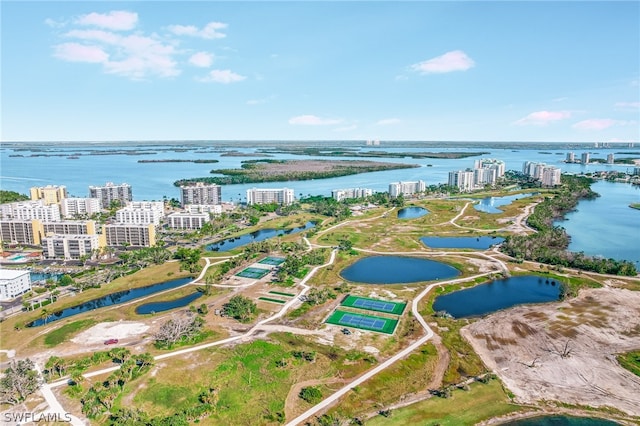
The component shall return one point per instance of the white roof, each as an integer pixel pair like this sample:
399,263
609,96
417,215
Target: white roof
9,274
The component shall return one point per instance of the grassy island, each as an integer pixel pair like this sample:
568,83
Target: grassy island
178,161
635,206
350,152
267,170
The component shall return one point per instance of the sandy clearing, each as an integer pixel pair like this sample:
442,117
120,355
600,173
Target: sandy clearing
110,330
525,347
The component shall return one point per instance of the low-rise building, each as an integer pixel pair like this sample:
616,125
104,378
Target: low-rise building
70,247
142,213
27,210
343,194
135,235
27,232
203,208
283,196
187,220
70,227
13,283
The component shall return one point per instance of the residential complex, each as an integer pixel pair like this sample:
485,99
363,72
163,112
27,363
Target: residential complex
610,159
200,193
497,168
282,196
111,192
27,210
551,176
13,283
462,179
571,158
186,220
585,158
135,235
406,188
142,213
342,194
78,207
20,232
203,208
50,194
70,247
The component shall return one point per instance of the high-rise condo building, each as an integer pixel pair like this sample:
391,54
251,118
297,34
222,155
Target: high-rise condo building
406,188
200,193
50,194
111,192
462,179
73,207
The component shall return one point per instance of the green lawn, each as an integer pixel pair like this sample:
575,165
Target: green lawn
631,361
481,402
66,331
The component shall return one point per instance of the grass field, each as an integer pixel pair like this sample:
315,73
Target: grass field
338,318
352,301
280,293
268,299
481,402
66,331
630,361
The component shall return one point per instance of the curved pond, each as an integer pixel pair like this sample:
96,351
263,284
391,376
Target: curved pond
560,421
499,294
397,269
110,299
154,307
491,204
481,243
412,212
253,237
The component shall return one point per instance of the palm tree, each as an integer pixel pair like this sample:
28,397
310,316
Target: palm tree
44,314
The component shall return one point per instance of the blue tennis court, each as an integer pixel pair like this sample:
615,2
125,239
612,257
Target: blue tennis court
365,322
358,321
374,305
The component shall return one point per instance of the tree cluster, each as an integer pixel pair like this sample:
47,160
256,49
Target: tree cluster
240,308
181,329
18,381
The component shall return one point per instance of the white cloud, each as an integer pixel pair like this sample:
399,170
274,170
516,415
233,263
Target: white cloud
222,76
388,122
542,118
455,60
117,20
313,120
95,35
601,124
53,23
209,32
76,52
201,59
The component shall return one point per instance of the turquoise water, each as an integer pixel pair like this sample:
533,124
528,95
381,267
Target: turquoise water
253,237
110,299
492,204
155,307
607,226
480,243
560,421
397,269
412,212
487,298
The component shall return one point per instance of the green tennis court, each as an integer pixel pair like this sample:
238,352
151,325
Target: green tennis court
364,322
255,273
396,308
272,261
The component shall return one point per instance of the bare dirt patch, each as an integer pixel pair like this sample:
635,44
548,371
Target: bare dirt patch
110,330
565,351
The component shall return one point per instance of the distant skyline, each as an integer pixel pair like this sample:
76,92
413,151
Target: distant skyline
542,71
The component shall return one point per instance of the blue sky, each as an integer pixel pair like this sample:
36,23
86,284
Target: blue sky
467,71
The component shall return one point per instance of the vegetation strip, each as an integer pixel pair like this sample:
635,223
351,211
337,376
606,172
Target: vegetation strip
268,299
280,293
337,318
369,304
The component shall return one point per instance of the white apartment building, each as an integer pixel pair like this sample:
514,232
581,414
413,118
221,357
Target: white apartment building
464,180
282,196
343,194
69,247
551,176
533,169
50,194
73,207
141,216
20,232
491,163
203,208
610,159
70,227
406,188
134,235
27,210
200,193
147,205
111,192
13,283
187,220
571,157
585,158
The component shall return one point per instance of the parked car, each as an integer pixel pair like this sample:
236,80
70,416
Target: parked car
111,342
346,331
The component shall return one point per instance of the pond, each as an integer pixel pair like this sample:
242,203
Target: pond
499,294
491,204
397,269
412,212
480,243
110,299
39,276
560,421
154,307
253,237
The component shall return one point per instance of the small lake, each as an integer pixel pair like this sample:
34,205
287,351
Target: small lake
111,299
397,269
253,237
496,295
39,276
560,421
491,204
412,212
155,307
480,243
